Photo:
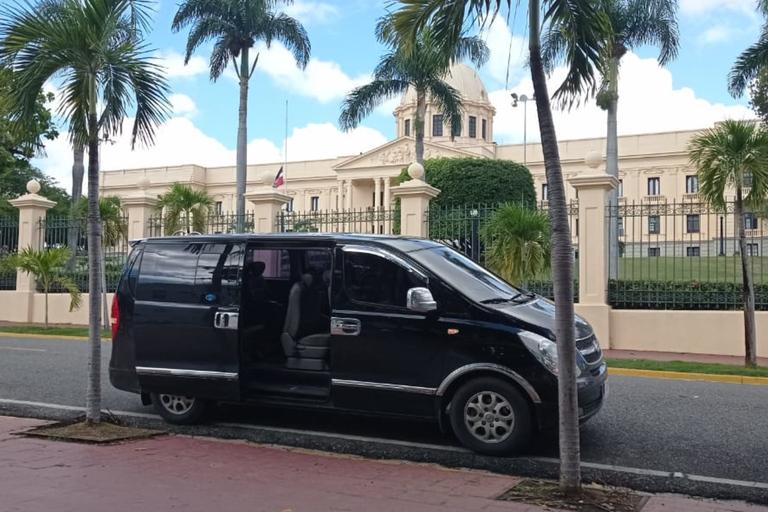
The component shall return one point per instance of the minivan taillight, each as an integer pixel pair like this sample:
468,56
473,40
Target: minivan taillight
115,317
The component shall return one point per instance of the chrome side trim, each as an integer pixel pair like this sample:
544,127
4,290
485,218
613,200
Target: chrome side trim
178,372
503,370
383,386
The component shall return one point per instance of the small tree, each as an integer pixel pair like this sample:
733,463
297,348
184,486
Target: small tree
185,208
46,266
724,156
518,243
112,219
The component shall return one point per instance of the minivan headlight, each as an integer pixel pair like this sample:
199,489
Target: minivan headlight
544,350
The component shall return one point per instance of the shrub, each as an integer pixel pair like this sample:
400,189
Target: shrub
682,295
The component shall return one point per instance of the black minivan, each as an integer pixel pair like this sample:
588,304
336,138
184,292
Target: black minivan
366,323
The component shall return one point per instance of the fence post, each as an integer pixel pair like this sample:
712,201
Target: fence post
32,208
267,202
593,187
140,208
415,196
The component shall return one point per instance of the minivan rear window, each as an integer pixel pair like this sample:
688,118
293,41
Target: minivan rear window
464,274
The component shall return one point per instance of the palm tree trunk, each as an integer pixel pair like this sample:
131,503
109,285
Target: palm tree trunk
562,268
93,395
612,168
242,140
748,292
418,126
46,307
73,233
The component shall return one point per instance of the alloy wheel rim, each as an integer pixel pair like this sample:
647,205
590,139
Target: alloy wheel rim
489,417
176,404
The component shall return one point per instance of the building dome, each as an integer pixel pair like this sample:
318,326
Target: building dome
462,78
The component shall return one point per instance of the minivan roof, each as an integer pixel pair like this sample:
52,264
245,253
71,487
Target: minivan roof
401,243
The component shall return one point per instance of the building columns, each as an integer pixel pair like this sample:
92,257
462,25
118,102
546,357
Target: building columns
377,193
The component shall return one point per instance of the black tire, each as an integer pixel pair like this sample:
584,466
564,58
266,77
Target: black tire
506,437
171,408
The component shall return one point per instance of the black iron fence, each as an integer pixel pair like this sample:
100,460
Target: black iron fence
362,220
9,244
214,224
73,233
684,255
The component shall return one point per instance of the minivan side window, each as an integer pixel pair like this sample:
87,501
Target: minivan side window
218,272
373,279
168,272
277,262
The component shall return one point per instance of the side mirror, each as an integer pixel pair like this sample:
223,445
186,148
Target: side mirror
420,300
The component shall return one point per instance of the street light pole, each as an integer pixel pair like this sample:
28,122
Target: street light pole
525,99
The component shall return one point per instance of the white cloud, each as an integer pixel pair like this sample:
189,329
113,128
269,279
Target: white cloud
716,34
308,12
508,53
707,7
183,105
322,80
648,103
178,142
173,62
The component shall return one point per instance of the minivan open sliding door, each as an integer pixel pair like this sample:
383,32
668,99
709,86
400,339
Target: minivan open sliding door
186,318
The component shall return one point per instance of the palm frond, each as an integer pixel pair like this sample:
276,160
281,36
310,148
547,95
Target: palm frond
363,100
650,22
472,49
747,65
287,30
448,101
75,295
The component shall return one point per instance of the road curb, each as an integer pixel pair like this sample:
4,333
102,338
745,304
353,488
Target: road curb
655,374
45,336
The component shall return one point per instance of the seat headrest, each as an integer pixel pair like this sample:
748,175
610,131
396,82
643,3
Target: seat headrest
307,279
256,267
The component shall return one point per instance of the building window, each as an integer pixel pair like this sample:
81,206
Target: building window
472,127
456,130
620,224
692,223
577,228
407,128
654,252
750,221
748,180
544,192
219,207
753,250
621,188
692,184
315,203
654,186
654,224
437,125
693,252
289,206
484,129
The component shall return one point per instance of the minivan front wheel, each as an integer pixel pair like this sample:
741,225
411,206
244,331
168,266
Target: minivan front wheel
490,417
177,409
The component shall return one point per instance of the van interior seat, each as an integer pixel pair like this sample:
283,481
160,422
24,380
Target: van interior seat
306,335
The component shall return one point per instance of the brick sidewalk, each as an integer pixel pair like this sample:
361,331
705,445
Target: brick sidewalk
195,474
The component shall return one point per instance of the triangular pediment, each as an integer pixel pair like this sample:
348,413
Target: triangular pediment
399,153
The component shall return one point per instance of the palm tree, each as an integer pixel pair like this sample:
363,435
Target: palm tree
46,265
588,34
236,26
105,69
724,155
423,67
113,222
752,60
518,243
185,209
634,23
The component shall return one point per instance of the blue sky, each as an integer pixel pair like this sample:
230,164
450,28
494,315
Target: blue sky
690,93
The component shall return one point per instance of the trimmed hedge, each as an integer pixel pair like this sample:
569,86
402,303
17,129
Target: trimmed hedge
682,295
546,289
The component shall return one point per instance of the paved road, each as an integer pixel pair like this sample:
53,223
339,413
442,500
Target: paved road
700,428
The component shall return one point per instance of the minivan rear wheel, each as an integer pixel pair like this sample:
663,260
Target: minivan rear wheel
490,416
177,409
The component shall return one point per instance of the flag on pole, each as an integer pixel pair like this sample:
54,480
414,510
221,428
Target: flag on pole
279,181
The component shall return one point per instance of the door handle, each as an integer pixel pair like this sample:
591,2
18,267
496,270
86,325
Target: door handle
226,320
345,326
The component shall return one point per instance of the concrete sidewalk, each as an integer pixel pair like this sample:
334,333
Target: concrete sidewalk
195,474
676,356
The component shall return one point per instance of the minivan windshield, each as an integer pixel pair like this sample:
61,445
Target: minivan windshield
476,282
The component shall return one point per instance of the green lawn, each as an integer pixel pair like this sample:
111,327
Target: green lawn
51,331
703,269
688,367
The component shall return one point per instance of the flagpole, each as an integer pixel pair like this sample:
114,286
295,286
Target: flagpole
285,148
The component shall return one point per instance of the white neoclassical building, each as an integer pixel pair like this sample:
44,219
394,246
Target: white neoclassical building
654,168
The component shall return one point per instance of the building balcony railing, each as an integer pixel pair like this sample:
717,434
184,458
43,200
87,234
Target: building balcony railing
655,199
753,233
692,197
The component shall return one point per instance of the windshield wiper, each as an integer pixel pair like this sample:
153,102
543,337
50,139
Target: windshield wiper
498,300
